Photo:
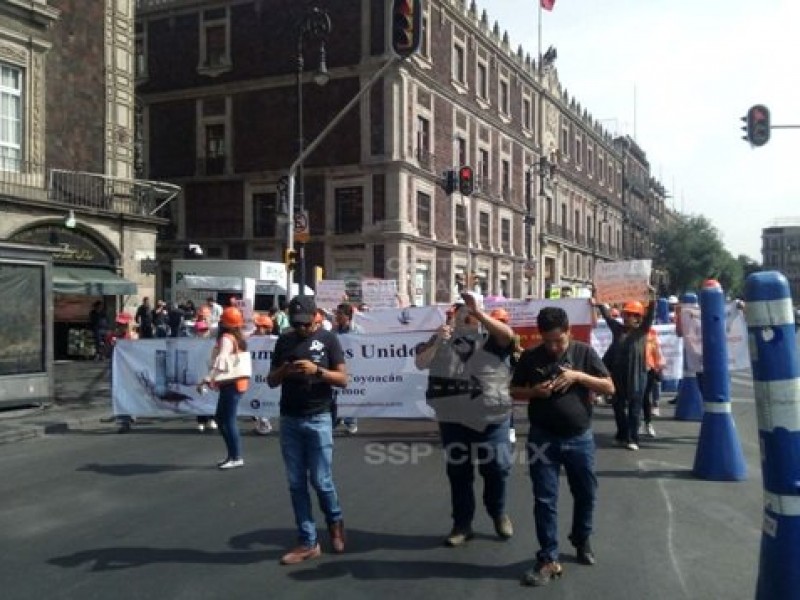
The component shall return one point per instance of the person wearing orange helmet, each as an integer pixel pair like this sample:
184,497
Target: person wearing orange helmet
264,326
626,361
230,340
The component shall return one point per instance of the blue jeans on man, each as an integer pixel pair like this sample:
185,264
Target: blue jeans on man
307,448
546,454
225,416
491,449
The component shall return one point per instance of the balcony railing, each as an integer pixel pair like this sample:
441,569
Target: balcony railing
112,194
22,179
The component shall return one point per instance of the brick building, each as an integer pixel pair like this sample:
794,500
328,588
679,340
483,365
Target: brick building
217,81
780,251
66,156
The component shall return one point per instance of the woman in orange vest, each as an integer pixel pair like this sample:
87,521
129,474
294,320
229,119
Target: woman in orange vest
655,367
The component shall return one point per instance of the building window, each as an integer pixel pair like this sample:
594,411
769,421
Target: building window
140,52
461,224
215,40
505,235
601,167
378,197
505,175
423,142
10,118
484,169
565,142
459,64
578,151
590,159
349,204
213,136
504,98
483,81
527,116
483,229
265,208
578,265
424,214
461,151
425,41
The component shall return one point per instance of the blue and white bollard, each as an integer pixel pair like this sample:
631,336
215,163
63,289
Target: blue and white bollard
662,311
776,381
719,454
689,401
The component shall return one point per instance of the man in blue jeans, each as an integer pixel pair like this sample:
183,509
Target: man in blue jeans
556,377
307,363
468,381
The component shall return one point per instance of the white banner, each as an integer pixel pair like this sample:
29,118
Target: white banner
622,281
401,320
671,346
158,378
735,330
379,293
330,293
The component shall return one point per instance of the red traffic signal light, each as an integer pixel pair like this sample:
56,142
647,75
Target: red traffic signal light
466,181
406,26
757,126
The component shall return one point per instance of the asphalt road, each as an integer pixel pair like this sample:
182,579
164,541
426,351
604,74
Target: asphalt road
94,515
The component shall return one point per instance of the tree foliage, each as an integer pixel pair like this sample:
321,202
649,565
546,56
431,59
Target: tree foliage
692,251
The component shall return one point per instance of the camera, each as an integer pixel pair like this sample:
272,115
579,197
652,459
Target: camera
553,370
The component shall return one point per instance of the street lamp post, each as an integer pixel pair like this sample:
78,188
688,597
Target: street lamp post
546,170
315,25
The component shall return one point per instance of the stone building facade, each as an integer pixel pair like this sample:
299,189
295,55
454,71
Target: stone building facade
554,192
67,155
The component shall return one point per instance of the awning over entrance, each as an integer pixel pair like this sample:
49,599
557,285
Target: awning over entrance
90,282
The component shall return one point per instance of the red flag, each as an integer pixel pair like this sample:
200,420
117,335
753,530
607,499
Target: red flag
547,4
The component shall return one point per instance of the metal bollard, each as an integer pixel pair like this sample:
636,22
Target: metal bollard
776,381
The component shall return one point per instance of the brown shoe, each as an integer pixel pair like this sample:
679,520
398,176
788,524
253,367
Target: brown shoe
542,574
337,536
503,527
301,553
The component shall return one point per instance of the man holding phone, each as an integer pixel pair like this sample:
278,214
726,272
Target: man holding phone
468,381
307,362
556,377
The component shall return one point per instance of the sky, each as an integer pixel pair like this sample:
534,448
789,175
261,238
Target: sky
678,75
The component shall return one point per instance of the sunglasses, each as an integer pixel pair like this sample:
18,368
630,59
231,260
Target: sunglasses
302,325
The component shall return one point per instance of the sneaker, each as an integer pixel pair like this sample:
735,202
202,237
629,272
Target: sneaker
512,436
655,411
542,574
201,427
212,425
336,531
649,430
632,446
351,427
504,527
584,552
301,553
459,536
263,426
231,463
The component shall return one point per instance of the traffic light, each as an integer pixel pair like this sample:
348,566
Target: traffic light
466,182
757,125
290,259
406,26
449,181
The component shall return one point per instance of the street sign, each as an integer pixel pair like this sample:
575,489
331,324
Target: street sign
302,233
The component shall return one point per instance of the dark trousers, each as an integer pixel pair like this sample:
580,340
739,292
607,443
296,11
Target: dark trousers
491,450
627,414
652,392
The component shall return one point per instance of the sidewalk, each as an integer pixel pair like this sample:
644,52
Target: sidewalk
82,397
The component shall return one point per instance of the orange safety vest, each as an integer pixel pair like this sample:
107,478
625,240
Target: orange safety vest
652,353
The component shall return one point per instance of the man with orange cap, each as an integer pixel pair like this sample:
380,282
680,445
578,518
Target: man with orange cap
625,360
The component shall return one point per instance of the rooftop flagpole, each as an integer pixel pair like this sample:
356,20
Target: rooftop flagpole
539,64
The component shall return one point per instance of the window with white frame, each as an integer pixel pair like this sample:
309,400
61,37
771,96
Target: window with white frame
483,229
527,114
423,139
425,41
10,118
484,168
578,151
214,132
505,97
215,39
459,63
461,151
424,214
590,159
505,176
505,235
482,81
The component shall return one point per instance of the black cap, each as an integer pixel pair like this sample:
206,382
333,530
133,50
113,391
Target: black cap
302,309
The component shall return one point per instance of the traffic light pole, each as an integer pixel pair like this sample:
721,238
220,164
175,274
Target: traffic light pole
313,146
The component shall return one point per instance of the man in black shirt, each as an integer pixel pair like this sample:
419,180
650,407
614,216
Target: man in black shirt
557,377
307,362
